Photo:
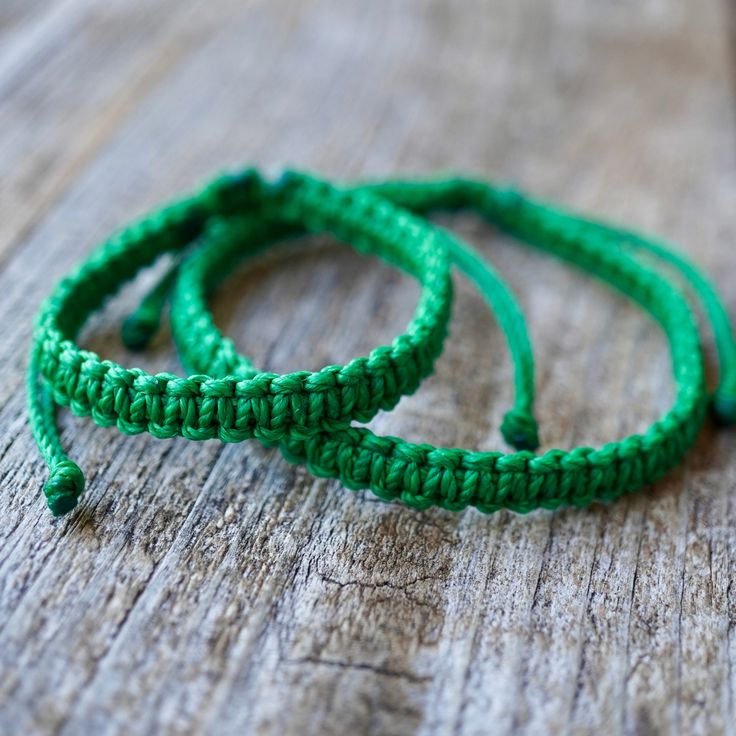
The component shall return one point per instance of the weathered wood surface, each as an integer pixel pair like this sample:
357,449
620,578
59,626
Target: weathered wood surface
219,590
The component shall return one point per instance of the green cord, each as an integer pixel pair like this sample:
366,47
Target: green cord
309,414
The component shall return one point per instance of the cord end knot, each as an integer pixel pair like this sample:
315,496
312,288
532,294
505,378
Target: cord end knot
139,327
64,487
519,429
724,408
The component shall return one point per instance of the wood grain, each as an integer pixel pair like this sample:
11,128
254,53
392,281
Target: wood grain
209,589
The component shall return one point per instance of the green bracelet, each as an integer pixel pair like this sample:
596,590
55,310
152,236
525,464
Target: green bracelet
422,475
261,405
309,417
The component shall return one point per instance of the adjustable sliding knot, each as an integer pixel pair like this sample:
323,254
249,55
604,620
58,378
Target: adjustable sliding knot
64,487
234,193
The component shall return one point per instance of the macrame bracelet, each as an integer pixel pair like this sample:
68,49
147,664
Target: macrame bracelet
308,414
422,475
260,405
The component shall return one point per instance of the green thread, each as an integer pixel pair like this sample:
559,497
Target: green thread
308,414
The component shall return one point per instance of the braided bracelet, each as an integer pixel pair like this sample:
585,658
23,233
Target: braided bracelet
421,475
261,405
239,216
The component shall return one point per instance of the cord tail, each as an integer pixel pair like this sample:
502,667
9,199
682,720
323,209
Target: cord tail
142,324
65,484
519,427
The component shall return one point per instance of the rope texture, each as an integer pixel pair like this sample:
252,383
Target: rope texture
309,414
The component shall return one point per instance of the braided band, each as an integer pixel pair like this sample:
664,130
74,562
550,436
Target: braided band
308,414
421,475
266,406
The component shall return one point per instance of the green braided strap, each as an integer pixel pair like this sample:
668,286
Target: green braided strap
265,406
309,414
422,475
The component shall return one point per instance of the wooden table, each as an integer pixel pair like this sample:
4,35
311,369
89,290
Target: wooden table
219,589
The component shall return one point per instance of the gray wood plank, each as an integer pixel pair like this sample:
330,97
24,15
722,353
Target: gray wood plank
60,101
202,588
24,23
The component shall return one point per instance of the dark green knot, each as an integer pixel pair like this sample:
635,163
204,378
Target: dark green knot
519,429
64,487
724,408
234,193
138,328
